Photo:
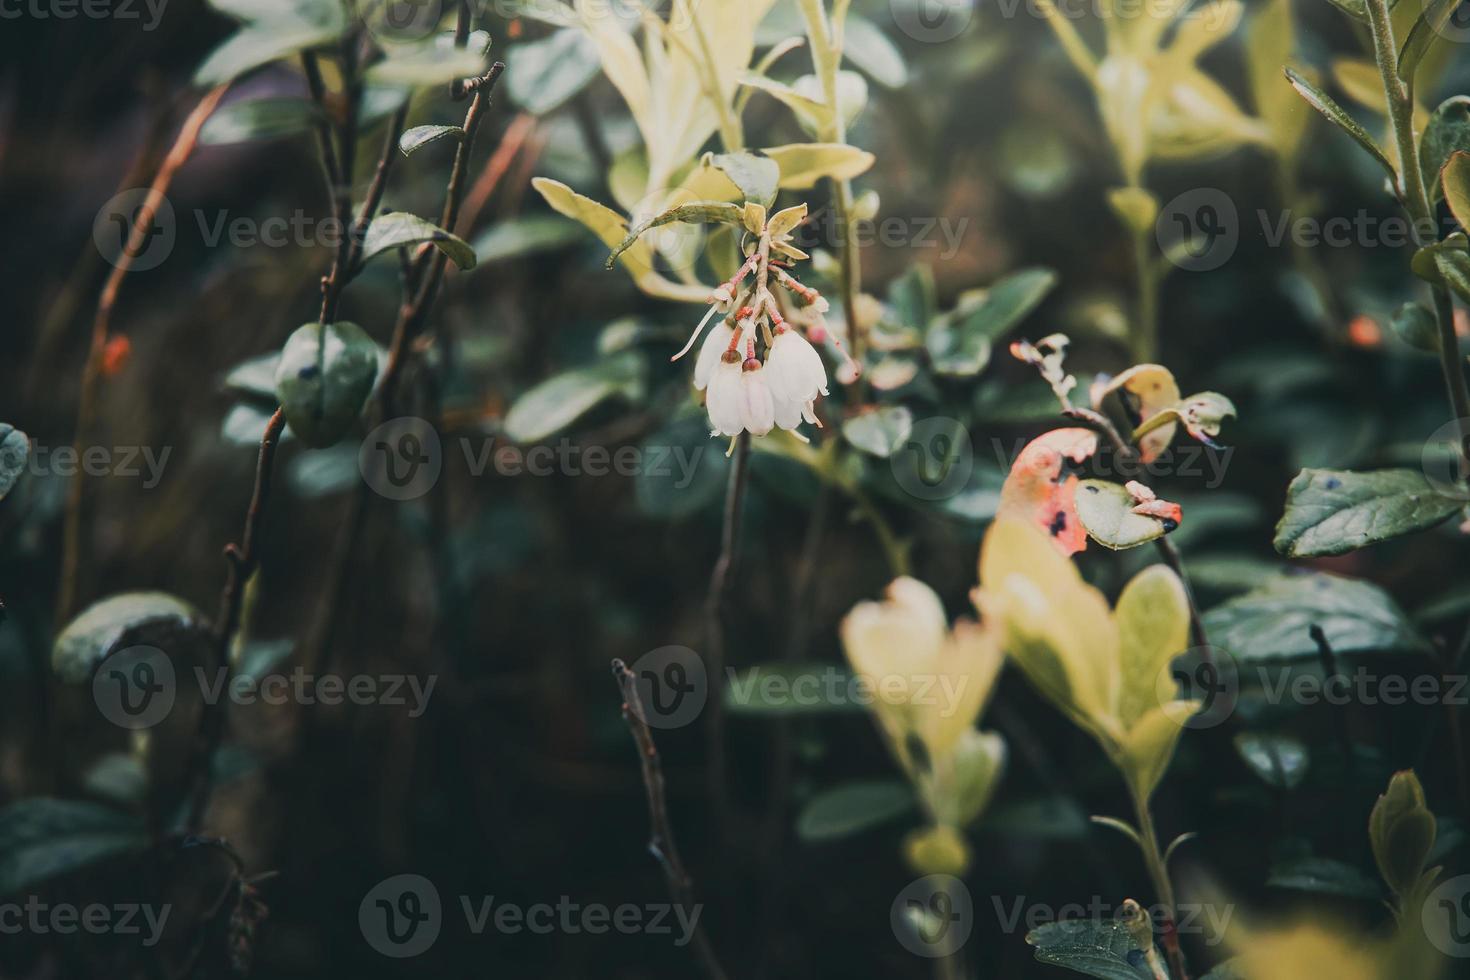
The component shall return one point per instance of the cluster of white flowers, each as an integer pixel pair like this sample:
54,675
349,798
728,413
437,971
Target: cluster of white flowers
744,392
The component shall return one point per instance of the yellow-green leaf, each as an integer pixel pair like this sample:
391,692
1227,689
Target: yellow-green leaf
1153,628
1149,746
803,164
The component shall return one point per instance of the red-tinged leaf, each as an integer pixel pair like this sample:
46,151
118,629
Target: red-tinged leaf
1038,492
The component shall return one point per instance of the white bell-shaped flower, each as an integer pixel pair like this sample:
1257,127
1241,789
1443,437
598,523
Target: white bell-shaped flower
738,398
715,344
797,373
790,413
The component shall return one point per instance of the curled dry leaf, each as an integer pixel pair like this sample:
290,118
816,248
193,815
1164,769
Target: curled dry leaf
1148,504
1037,492
1047,355
1147,390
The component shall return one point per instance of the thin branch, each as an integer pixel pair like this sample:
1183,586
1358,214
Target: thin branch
243,560
182,149
420,288
661,843
1328,659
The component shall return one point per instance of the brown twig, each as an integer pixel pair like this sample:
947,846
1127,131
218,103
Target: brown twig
661,842
242,560
182,149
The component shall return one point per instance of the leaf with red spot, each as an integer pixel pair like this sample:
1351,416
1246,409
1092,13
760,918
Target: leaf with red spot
1037,492
1147,390
1119,517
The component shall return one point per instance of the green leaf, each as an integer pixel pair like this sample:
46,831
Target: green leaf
1425,31
868,48
803,164
1454,179
1452,264
427,65
118,778
44,838
525,235
1417,327
1106,512
1009,302
397,229
1272,622
1402,830
541,75
262,42
700,212
780,689
1324,876
246,423
256,379
1097,947
15,449
559,401
913,296
1448,130
259,119
756,176
1279,760
1339,117
804,106
880,432
1135,207
324,378
419,136
852,808
1332,512
129,619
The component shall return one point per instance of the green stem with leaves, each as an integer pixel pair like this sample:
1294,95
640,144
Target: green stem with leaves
1146,330
1415,199
826,38
1158,872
